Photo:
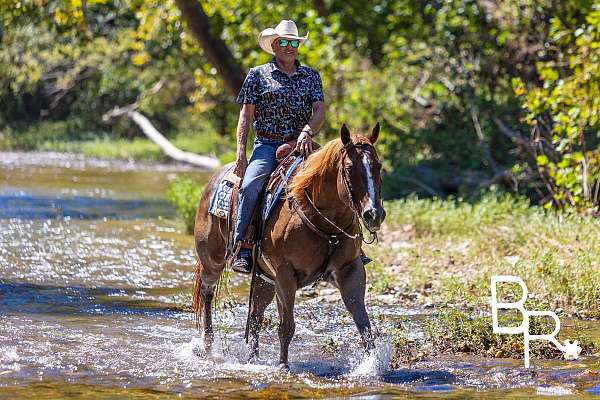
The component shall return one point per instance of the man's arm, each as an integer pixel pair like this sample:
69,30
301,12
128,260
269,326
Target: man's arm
243,127
318,116
304,144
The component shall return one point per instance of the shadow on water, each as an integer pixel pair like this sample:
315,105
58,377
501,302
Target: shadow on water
320,368
26,298
79,207
432,379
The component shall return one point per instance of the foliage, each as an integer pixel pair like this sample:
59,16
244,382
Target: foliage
436,74
564,114
184,194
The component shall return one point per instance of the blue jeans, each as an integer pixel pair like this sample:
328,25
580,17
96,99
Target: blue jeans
261,164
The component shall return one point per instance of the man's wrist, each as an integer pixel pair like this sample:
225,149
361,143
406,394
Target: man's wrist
308,130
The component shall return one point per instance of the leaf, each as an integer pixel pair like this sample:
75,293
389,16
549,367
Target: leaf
541,160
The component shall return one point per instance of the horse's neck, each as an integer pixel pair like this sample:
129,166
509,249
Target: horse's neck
328,200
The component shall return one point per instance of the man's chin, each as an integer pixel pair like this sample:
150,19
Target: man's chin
288,57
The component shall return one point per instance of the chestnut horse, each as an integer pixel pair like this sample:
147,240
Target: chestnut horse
315,233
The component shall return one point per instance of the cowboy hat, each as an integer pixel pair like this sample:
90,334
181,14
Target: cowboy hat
285,29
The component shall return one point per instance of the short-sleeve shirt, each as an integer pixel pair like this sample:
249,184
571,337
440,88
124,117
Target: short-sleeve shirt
283,103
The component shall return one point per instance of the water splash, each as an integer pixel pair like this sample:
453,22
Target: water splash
374,363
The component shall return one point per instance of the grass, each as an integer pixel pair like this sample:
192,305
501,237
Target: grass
62,137
446,251
453,331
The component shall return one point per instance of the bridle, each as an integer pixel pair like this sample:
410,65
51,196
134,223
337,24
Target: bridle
348,186
333,239
353,206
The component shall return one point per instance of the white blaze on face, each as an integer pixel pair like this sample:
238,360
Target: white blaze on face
370,183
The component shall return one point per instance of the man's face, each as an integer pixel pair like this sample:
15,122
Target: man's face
287,53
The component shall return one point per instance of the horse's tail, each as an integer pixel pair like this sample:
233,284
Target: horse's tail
197,300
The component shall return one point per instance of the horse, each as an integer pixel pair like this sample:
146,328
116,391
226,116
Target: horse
314,234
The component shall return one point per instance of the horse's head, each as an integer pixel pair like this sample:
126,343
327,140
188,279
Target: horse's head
360,172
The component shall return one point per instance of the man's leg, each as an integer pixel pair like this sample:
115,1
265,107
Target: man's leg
260,166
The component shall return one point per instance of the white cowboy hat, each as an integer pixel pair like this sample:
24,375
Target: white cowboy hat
285,29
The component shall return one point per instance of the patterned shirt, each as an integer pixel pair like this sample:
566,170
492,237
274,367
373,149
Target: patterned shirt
283,103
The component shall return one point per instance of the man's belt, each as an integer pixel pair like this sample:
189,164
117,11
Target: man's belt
271,136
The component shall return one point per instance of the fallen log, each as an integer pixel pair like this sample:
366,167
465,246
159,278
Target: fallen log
153,134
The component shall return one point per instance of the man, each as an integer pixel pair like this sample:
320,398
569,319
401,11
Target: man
284,101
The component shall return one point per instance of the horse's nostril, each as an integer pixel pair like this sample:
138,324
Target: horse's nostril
369,215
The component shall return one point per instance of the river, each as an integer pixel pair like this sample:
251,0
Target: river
95,278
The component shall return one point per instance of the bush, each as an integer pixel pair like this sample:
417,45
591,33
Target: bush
184,194
565,119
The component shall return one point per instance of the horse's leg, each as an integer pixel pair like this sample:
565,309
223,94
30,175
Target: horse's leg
285,288
351,280
262,295
203,293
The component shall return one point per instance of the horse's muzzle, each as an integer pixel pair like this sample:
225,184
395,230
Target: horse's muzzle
373,218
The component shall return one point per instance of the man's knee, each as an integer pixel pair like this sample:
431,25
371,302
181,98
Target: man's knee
254,182
251,187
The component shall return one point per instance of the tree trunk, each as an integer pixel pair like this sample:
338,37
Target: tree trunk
179,155
319,5
153,134
214,48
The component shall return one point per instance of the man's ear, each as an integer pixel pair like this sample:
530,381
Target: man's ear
374,134
345,135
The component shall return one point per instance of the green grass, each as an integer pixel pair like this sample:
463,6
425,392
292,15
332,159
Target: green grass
447,250
61,136
452,331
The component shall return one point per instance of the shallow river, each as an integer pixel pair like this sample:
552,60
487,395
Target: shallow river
94,274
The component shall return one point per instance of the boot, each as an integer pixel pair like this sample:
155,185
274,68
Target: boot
243,261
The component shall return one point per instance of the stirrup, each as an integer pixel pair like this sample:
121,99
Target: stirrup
242,264
365,258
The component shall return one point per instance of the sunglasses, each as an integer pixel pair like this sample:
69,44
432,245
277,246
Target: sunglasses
284,43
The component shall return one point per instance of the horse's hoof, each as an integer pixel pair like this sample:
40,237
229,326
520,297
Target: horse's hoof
252,357
200,351
284,367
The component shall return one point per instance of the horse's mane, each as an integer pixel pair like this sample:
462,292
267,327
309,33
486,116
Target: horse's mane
314,168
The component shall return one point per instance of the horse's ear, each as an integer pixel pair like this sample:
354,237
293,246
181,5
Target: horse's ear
345,135
374,134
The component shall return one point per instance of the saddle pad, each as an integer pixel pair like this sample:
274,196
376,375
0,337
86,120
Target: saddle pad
272,197
220,203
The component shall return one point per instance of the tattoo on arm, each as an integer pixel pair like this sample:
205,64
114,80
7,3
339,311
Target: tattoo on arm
243,128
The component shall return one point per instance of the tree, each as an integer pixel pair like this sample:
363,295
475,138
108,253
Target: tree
215,49
564,116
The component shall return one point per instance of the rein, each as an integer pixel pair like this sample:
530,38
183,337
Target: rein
333,239
348,186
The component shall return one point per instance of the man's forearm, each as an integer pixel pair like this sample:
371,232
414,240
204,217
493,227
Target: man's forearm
316,121
243,129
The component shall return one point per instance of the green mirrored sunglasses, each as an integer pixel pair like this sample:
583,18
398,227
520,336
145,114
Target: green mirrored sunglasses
284,43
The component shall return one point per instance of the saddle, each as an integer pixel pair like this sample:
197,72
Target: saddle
224,200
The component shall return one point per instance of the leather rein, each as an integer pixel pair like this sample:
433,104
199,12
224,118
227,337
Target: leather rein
333,239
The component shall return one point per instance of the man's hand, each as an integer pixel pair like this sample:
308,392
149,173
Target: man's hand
304,144
240,166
